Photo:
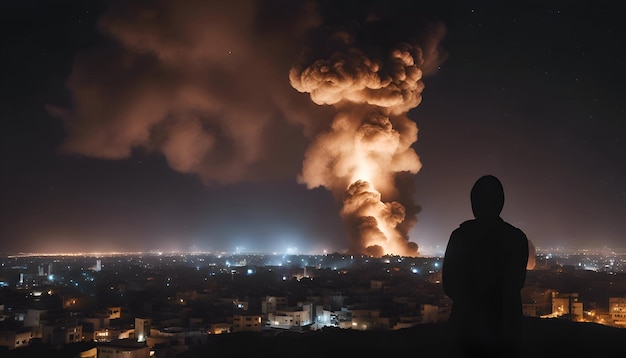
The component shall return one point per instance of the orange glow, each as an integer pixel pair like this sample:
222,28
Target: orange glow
369,142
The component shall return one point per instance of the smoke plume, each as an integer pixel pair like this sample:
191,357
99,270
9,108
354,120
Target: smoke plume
200,82
203,83
372,83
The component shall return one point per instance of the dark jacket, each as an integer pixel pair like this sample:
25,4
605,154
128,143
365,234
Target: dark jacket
484,269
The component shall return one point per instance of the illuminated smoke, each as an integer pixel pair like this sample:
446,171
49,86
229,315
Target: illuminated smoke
200,82
369,141
203,84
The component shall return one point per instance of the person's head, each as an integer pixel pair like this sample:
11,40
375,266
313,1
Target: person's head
487,197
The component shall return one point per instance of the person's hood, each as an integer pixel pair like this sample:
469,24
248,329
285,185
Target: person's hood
487,197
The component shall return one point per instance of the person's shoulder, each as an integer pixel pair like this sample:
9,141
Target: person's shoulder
463,228
515,230
467,224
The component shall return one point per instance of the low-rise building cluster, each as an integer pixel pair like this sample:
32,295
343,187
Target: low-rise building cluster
161,305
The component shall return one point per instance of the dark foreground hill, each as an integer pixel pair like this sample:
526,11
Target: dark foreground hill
542,338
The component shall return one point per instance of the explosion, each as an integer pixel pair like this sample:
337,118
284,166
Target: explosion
369,141
202,83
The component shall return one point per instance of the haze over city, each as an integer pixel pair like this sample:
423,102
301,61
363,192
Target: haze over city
210,126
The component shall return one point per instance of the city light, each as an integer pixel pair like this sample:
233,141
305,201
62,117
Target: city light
177,270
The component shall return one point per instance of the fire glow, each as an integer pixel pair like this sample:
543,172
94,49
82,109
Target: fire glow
369,140
203,84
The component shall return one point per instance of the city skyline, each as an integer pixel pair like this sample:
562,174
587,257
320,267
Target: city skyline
199,301
531,94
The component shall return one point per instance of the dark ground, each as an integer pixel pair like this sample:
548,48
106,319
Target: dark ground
543,338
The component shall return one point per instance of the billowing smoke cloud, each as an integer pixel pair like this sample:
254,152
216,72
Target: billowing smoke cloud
372,83
201,82
204,83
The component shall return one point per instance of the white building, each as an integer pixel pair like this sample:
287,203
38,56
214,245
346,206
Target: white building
15,338
323,318
617,310
33,317
123,348
566,304
290,317
142,328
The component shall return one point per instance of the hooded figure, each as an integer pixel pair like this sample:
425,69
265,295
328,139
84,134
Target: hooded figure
484,270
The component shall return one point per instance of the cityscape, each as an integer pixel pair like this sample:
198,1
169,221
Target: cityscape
173,304
197,178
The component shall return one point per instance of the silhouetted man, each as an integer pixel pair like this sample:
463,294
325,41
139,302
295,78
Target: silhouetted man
484,269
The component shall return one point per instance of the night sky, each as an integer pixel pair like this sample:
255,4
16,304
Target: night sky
102,148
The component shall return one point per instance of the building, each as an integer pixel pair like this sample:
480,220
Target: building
617,310
288,318
15,338
33,317
247,322
429,313
531,309
323,317
62,333
96,327
142,328
114,312
291,317
342,318
88,353
367,319
536,301
566,304
271,303
97,321
123,348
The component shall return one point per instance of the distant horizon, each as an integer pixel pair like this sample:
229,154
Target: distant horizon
192,125
549,250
